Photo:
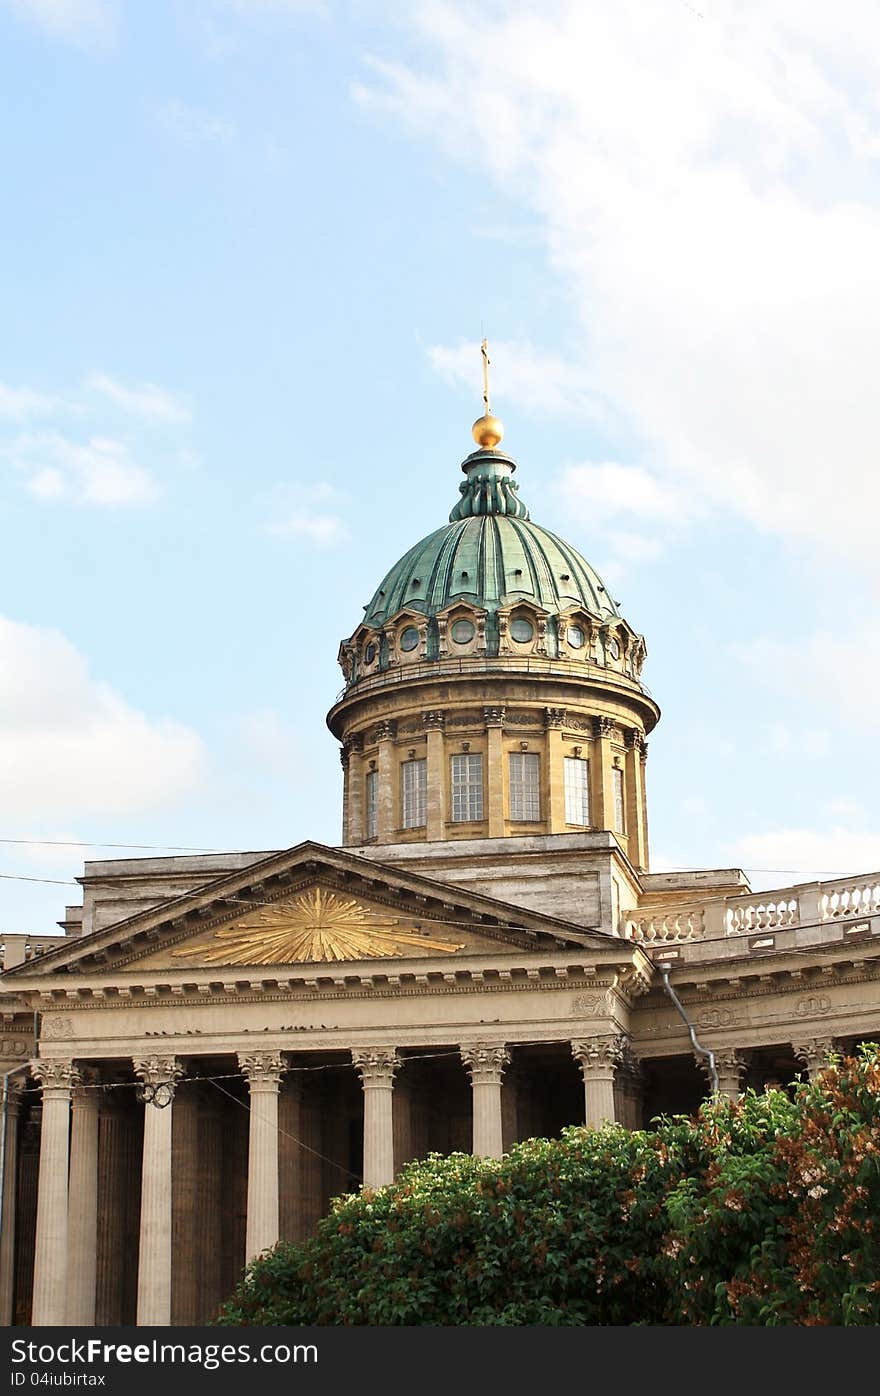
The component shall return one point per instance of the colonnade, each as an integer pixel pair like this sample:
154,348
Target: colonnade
67,1202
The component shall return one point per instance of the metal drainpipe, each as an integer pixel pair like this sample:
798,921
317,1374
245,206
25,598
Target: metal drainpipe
700,1050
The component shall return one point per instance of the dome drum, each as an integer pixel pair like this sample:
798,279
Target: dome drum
493,688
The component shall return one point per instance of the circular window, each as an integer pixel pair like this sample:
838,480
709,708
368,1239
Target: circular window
522,630
575,637
614,649
462,631
369,653
409,638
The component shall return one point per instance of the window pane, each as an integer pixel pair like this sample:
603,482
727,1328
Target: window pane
414,790
467,786
577,790
372,803
525,793
619,820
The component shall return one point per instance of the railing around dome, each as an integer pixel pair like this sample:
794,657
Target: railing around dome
843,900
480,664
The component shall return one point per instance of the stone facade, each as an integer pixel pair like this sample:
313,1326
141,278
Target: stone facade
219,1044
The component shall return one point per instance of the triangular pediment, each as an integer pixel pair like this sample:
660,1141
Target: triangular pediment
319,925
311,905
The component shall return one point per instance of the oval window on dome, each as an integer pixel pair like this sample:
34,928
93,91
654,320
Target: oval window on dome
522,630
462,631
409,638
614,649
575,637
369,653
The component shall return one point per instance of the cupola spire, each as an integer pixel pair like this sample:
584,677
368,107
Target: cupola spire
487,430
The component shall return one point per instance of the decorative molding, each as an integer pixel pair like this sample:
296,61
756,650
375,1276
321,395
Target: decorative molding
485,1062
376,1066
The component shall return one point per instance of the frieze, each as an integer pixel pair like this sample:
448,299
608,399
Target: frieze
15,1047
57,1027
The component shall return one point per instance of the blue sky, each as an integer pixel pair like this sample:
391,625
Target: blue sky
248,250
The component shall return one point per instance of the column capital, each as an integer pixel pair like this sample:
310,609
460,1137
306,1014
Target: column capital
434,718
376,1065
730,1064
815,1052
56,1074
554,717
159,1077
598,1056
493,715
386,729
262,1070
602,726
485,1061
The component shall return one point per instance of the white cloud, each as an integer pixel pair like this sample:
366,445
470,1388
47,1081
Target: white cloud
19,404
303,512
707,190
146,400
606,490
194,126
100,471
71,746
802,854
537,380
837,670
84,23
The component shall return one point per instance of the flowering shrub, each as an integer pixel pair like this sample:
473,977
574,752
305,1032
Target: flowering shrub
760,1212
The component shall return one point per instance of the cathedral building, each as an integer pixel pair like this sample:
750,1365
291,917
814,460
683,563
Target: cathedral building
218,1045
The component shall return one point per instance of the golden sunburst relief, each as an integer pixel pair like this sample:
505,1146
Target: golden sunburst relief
317,926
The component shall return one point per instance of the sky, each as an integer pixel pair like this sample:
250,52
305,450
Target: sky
248,249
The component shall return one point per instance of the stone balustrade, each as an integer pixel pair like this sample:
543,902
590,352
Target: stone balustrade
812,903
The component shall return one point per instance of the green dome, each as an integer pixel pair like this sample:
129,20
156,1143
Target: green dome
490,561
489,555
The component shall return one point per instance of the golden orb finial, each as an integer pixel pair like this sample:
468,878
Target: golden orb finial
487,430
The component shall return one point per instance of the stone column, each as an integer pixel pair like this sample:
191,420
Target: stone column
385,817
815,1053
82,1224
601,780
50,1252
730,1065
554,780
263,1073
598,1058
160,1076
352,765
436,801
377,1066
634,785
632,1091
12,1108
485,1062
493,795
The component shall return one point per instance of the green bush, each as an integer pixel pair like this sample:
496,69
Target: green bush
759,1212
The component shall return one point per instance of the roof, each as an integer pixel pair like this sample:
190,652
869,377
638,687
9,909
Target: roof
491,555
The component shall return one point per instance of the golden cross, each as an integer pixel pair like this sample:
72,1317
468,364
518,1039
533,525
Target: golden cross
484,350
